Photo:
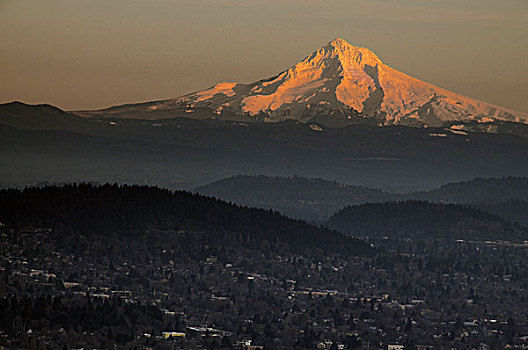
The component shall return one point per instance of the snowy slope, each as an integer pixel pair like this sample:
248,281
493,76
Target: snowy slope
337,84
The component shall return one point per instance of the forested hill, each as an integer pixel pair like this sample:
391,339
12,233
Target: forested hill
514,210
318,199
299,197
130,211
478,190
421,219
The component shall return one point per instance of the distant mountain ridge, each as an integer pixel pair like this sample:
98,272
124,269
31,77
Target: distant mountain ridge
40,117
337,85
43,143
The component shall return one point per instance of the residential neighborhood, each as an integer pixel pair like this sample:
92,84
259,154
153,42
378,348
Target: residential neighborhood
408,295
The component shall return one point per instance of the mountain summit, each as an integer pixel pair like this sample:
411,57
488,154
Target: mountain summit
338,84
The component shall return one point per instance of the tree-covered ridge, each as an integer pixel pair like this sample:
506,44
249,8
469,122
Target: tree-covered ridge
513,210
299,197
422,219
478,190
274,188
318,199
132,210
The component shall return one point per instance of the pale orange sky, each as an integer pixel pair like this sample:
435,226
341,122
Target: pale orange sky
96,53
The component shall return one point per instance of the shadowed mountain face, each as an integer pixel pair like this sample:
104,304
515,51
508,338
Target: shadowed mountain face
337,85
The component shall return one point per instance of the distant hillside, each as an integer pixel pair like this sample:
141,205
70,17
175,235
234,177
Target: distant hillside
421,219
506,197
318,199
40,117
129,211
478,190
299,197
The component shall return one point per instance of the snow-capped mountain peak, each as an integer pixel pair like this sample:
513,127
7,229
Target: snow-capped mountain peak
349,56
337,84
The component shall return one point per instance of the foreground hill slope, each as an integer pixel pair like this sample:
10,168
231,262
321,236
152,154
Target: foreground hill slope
426,220
132,210
513,210
338,84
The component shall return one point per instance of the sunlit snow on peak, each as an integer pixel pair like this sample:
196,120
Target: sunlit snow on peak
340,81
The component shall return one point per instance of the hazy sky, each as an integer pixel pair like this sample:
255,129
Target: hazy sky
95,53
